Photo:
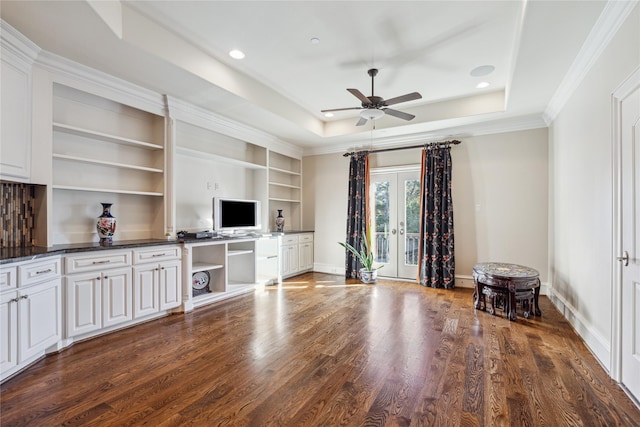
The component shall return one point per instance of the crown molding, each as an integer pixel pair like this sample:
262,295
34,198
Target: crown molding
607,25
189,113
16,43
513,124
67,72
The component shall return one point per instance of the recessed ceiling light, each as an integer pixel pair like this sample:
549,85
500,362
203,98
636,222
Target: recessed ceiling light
482,85
236,54
315,40
328,114
482,70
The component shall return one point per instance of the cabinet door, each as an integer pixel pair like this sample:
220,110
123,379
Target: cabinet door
39,314
145,290
306,256
15,120
116,297
83,303
170,285
8,331
289,259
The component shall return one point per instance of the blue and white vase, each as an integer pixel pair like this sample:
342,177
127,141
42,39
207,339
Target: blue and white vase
106,225
280,222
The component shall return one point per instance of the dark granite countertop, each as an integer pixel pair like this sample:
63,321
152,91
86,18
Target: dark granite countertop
29,253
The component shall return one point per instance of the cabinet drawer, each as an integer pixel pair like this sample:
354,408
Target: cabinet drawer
303,238
8,277
289,240
39,271
92,261
155,254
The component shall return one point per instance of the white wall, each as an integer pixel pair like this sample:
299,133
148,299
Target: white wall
198,180
500,193
581,193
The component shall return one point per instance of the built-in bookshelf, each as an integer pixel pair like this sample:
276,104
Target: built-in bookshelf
105,151
285,186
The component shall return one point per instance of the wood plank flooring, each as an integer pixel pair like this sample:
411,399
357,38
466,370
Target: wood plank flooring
319,351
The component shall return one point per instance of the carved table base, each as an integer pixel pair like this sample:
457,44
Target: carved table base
505,285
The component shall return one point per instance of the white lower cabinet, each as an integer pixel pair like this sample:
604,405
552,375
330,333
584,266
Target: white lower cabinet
141,283
98,300
30,314
157,280
157,287
289,259
296,254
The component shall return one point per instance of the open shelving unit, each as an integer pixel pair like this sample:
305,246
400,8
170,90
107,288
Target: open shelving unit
231,264
285,187
105,151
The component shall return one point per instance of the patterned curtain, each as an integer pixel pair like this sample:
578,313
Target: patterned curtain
436,250
357,209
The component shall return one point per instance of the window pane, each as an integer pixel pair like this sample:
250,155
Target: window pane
381,221
412,220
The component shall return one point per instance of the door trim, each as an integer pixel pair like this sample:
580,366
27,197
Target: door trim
628,86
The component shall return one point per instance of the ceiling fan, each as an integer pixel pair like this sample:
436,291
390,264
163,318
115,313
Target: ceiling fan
373,107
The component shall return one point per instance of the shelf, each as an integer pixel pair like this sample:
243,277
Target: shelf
200,266
239,252
219,158
278,184
273,199
288,172
107,190
105,163
104,136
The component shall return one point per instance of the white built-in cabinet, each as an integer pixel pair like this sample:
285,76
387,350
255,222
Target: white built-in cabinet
106,290
17,55
30,312
99,291
296,254
157,280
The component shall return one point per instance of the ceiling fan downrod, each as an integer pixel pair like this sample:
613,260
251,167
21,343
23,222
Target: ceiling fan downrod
372,72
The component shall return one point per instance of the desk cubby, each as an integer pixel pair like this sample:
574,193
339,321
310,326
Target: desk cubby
231,264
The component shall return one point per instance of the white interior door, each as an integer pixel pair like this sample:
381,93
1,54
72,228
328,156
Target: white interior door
395,206
629,256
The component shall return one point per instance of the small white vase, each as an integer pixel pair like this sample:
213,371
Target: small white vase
368,276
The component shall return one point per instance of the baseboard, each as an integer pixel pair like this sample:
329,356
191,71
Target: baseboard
328,268
595,342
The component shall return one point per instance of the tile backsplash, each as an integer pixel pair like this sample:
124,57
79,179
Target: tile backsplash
17,214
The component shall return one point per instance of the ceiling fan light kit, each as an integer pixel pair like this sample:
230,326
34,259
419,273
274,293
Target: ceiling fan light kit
371,114
374,107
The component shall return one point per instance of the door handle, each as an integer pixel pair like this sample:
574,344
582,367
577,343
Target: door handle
393,231
624,257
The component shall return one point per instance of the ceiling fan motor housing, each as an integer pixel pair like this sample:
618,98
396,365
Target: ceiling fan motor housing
374,102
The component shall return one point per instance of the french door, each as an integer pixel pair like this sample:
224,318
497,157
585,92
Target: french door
395,216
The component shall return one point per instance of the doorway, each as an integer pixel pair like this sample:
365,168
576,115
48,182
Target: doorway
395,215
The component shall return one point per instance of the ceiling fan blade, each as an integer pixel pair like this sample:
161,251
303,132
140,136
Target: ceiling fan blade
398,114
359,95
404,98
361,122
341,109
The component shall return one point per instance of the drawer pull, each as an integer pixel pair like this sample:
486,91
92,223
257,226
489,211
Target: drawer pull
48,270
106,261
162,254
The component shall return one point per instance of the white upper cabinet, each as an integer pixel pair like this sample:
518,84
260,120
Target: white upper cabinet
16,60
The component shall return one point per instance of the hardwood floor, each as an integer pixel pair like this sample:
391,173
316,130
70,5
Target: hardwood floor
322,351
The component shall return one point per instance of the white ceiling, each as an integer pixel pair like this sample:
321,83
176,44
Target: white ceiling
181,48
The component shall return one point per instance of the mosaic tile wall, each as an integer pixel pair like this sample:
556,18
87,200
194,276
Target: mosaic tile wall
17,216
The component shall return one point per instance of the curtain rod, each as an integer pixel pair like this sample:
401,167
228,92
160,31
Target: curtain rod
453,142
